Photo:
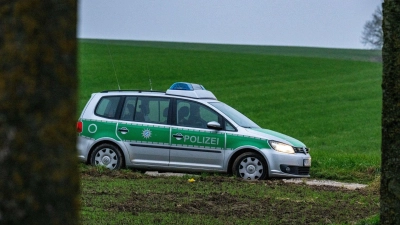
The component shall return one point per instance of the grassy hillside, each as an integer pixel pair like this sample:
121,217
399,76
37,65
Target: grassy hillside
328,98
350,54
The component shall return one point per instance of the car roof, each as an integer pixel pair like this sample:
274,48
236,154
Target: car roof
181,89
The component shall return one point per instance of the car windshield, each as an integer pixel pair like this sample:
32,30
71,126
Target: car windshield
235,115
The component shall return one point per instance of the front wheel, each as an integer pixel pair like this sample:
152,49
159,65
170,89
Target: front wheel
250,166
107,155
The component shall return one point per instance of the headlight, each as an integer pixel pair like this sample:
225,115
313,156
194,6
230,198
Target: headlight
281,147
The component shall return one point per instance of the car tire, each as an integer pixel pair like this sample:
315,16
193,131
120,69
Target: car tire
107,155
250,166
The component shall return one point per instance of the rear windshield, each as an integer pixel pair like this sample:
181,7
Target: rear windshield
234,115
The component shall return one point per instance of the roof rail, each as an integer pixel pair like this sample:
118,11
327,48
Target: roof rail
140,91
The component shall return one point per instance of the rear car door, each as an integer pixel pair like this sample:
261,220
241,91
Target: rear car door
144,130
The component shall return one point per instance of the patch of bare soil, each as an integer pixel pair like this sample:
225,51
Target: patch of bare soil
351,186
279,210
122,174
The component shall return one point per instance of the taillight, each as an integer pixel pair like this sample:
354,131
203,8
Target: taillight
79,126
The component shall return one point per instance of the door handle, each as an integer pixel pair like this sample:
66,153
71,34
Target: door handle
178,136
123,129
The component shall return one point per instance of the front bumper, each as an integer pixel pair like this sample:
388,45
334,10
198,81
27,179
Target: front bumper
287,165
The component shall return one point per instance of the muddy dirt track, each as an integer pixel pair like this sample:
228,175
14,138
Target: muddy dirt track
278,209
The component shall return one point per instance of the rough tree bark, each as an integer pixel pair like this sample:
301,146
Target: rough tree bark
39,180
390,178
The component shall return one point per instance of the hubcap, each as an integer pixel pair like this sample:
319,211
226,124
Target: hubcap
250,168
106,157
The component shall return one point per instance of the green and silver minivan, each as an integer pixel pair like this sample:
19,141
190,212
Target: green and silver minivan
185,129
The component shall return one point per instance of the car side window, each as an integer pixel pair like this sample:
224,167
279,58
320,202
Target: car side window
152,110
193,114
229,127
128,111
107,106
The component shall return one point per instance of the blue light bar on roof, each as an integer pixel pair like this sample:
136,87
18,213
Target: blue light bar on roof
184,86
190,90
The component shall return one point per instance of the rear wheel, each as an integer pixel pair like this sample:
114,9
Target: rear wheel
107,155
250,166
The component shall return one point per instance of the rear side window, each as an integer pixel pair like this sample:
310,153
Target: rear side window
128,111
152,110
107,106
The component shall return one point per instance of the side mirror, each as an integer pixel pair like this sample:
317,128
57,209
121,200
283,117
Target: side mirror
214,125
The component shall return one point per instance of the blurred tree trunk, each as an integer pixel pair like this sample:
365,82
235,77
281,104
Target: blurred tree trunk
39,180
390,178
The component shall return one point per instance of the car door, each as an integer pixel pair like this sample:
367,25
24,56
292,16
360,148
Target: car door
193,144
143,129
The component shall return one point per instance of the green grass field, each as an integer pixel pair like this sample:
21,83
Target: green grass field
331,101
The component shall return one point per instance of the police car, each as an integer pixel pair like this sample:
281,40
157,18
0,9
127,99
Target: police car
185,129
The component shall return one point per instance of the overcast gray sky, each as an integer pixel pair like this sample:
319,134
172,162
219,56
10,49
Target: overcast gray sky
316,23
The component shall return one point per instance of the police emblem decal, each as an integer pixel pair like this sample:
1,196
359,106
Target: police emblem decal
146,133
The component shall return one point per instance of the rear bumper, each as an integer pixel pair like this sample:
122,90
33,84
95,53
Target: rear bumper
82,144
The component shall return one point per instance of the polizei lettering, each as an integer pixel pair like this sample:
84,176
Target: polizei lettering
201,140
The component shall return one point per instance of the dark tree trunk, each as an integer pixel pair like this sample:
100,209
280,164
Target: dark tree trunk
390,178
39,180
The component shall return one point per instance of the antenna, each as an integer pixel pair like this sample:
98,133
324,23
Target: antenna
115,73
151,87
